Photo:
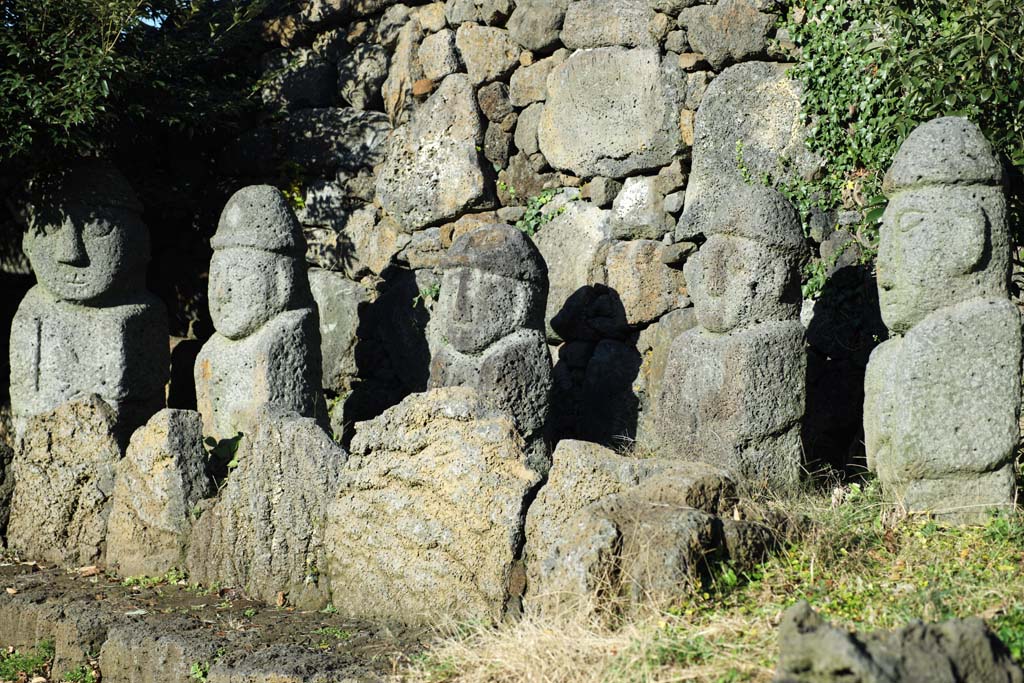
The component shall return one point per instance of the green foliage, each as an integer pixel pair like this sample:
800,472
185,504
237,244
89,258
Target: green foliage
430,293
173,576
199,671
535,217
80,674
78,75
26,665
872,70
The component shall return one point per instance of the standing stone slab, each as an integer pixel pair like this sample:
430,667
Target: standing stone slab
429,514
88,326
490,321
432,171
64,471
160,481
611,112
339,302
266,348
942,397
734,387
265,530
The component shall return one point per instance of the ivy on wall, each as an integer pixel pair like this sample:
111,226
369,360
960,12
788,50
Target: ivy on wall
872,70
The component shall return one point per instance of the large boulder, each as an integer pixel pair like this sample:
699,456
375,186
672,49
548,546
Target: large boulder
728,31
953,651
611,112
432,172
64,469
754,107
429,515
608,525
159,483
264,531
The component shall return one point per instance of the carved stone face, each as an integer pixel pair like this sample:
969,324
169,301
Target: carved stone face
937,248
735,282
83,253
248,287
478,308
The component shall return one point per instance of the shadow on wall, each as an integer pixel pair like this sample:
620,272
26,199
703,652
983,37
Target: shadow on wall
846,327
593,397
391,354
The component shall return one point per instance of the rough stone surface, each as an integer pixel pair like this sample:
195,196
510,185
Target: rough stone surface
266,348
530,83
736,400
646,287
490,319
654,344
729,31
569,540
569,244
339,302
942,397
535,24
64,471
488,53
405,71
606,23
638,211
954,651
480,11
265,530
429,515
437,55
756,104
160,481
88,326
524,178
494,102
610,112
432,172
526,129
361,73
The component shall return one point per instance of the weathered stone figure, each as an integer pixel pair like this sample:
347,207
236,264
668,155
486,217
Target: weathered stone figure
491,325
89,326
942,396
266,348
733,393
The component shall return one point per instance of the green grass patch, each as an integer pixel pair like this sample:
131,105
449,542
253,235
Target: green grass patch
36,662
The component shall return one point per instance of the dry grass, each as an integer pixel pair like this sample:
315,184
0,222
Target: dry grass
858,563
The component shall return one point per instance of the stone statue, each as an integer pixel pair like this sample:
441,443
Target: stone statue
266,347
733,393
942,396
89,326
490,322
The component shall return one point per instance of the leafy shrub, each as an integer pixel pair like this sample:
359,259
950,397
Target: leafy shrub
872,70
76,74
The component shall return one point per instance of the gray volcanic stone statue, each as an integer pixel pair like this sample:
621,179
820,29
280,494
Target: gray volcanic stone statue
942,396
733,392
491,329
266,348
89,326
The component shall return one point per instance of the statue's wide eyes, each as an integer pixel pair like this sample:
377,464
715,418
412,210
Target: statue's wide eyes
97,227
910,220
